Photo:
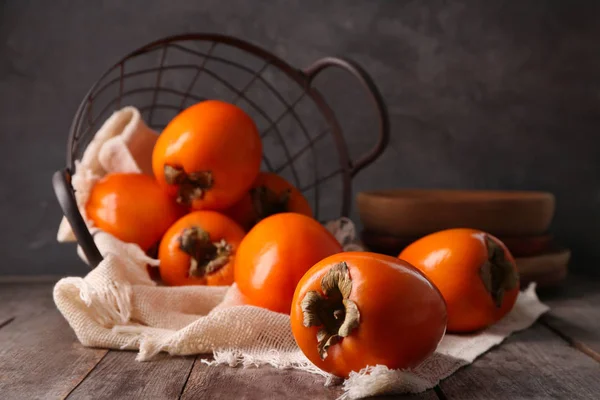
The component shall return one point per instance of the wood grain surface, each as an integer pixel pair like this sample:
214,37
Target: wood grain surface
575,313
40,357
255,383
120,376
533,364
265,383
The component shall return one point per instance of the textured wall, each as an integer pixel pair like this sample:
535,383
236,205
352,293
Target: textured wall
501,94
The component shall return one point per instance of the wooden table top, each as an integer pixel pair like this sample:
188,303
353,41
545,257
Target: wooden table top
40,358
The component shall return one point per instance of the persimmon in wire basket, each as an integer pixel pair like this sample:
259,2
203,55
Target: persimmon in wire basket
200,249
359,309
270,194
275,254
208,155
474,271
132,207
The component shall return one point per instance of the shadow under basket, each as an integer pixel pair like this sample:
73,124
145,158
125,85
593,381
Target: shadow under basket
302,136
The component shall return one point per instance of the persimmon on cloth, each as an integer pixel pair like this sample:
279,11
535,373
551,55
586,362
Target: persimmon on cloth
118,306
123,143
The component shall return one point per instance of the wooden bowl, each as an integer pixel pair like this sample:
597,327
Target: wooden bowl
546,269
385,244
528,246
413,212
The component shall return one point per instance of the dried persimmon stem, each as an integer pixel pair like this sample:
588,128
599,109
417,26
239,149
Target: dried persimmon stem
266,202
333,311
192,185
206,257
498,273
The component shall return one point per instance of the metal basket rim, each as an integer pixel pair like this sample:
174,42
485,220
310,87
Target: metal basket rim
296,74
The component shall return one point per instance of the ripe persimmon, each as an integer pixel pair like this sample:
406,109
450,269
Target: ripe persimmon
132,207
208,155
200,249
473,270
359,309
270,194
276,253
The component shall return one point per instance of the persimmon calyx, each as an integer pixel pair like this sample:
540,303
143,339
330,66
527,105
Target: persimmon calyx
334,312
497,273
266,202
192,185
206,257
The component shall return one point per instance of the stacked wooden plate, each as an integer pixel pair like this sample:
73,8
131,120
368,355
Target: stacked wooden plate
392,219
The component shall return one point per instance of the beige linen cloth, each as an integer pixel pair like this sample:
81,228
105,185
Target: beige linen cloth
118,306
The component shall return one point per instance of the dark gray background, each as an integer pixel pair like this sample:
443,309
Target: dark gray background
499,94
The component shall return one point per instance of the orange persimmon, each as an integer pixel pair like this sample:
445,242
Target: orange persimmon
270,194
200,249
132,207
208,155
276,253
473,270
359,309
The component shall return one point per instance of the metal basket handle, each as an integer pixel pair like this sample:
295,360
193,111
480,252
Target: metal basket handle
365,79
61,181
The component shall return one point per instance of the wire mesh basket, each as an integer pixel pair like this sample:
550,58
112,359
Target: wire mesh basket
302,138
